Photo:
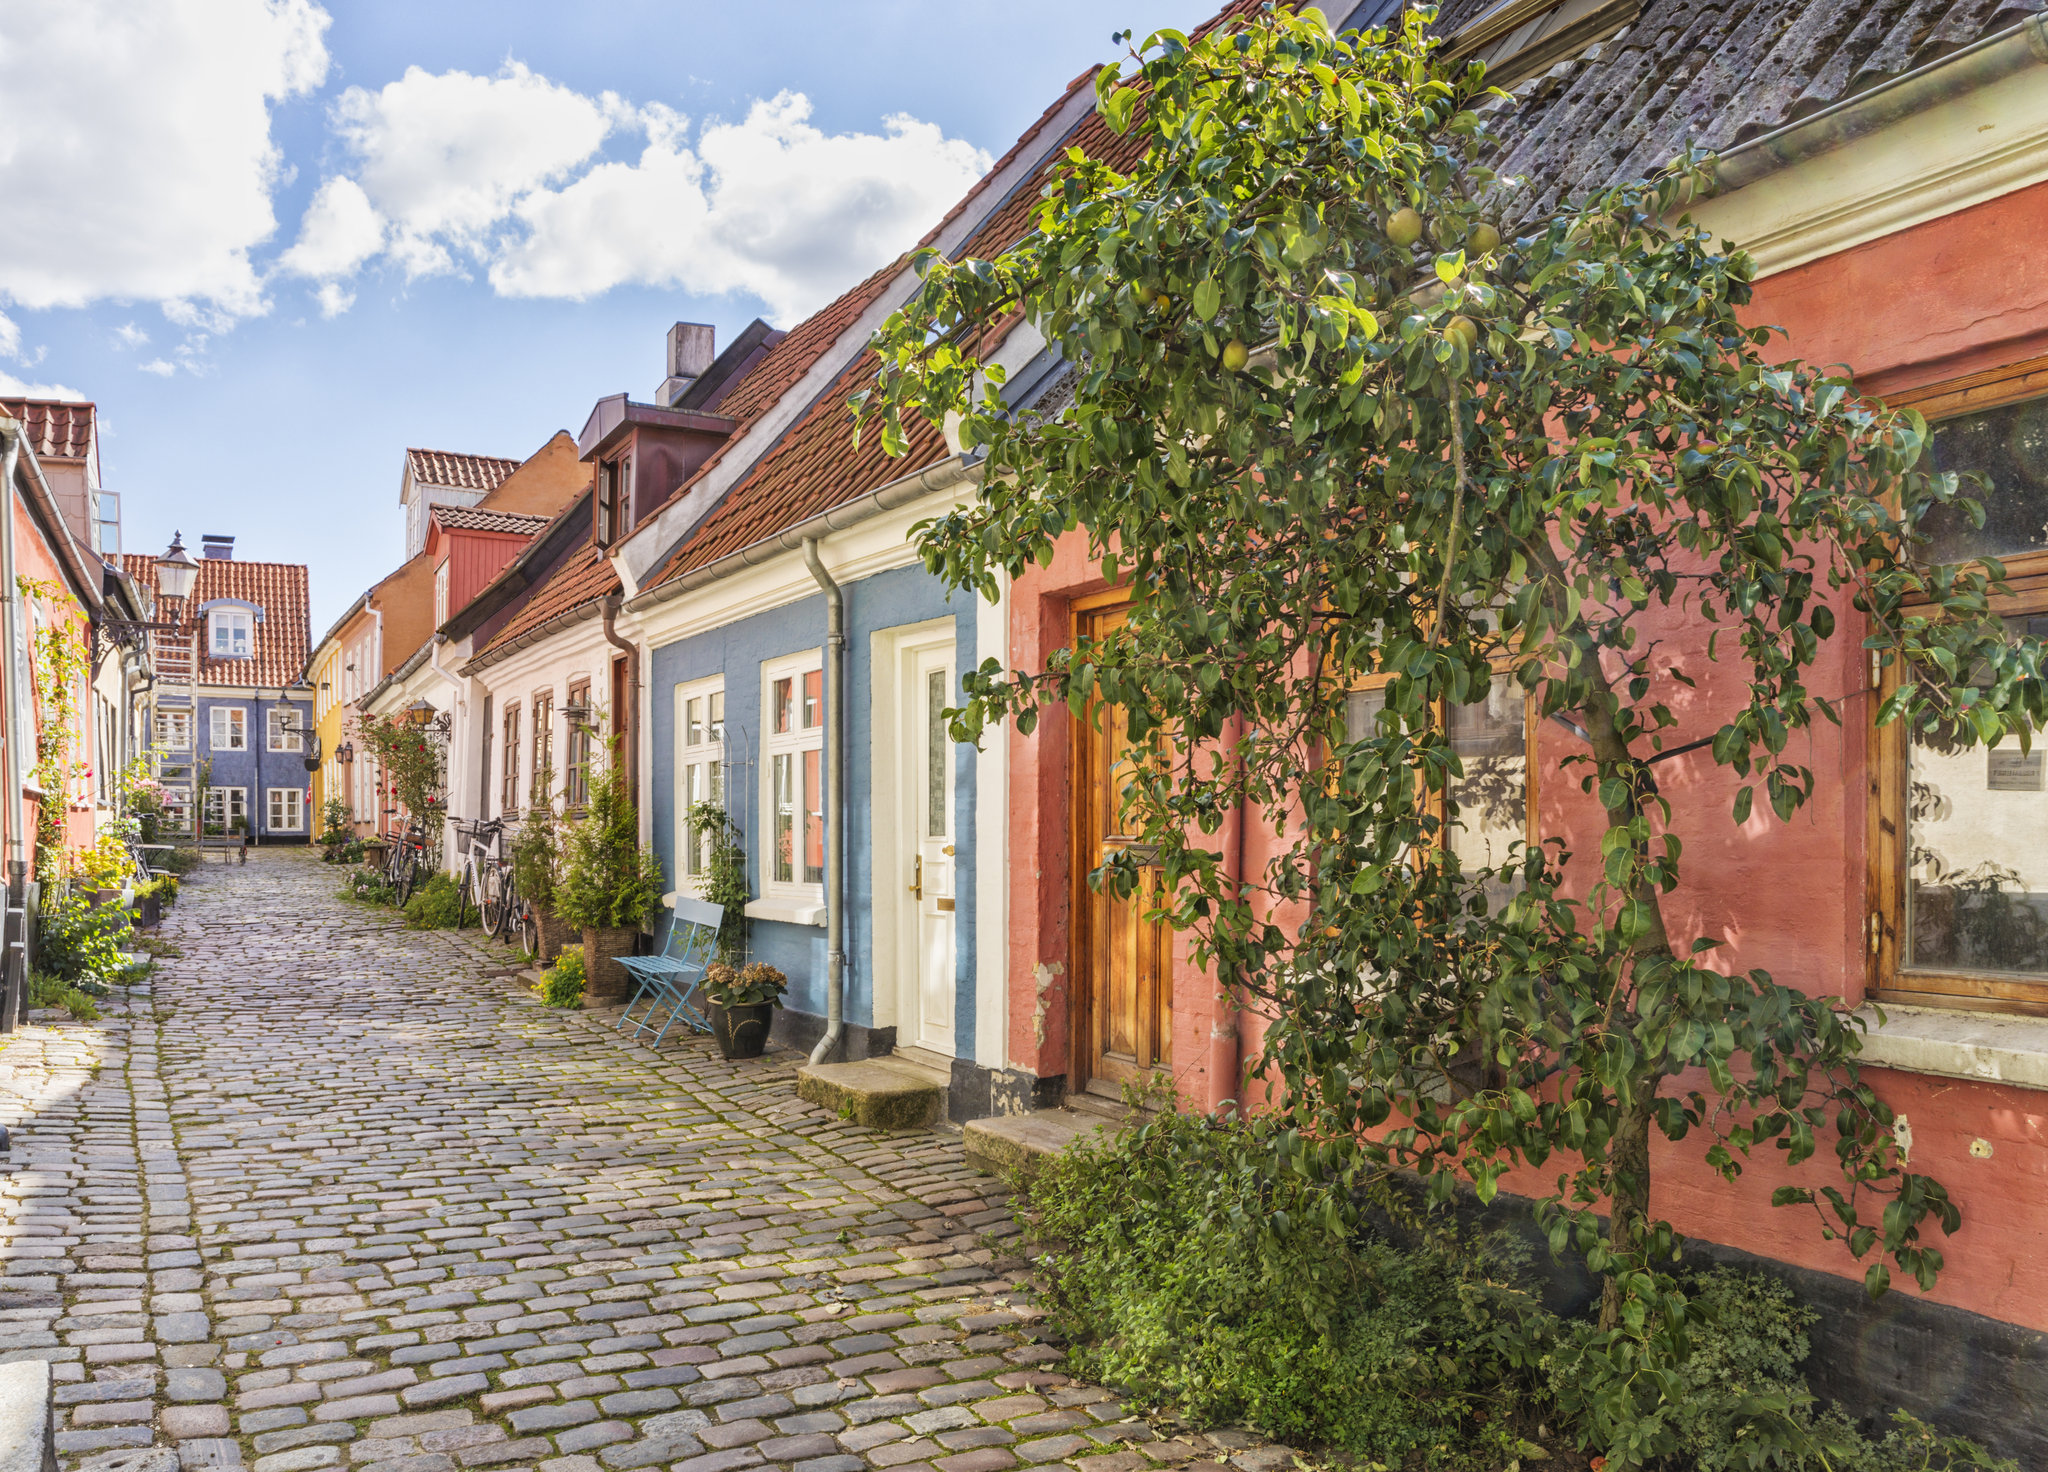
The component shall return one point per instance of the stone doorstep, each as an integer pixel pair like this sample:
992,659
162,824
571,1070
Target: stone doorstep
882,1093
1016,1144
24,1415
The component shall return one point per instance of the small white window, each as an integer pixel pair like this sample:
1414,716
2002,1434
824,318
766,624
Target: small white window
286,729
234,633
174,730
287,810
229,728
793,758
441,594
700,766
227,810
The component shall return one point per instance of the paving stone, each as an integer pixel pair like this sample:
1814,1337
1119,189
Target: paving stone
346,1175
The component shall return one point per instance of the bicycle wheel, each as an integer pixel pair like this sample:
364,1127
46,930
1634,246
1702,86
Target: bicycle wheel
529,931
465,897
493,909
408,878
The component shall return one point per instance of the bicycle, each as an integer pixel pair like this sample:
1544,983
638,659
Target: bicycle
407,866
484,876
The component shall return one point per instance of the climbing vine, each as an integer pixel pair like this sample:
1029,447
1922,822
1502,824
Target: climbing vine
725,874
414,759
60,668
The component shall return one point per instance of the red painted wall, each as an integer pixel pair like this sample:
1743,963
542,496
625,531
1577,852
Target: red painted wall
1954,296
473,559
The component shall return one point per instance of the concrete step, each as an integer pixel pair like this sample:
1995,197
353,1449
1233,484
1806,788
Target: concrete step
1017,1144
883,1093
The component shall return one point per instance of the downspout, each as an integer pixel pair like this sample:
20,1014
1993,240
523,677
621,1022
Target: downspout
835,788
632,719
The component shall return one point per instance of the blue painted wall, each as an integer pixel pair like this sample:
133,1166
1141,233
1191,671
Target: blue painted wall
737,650
256,769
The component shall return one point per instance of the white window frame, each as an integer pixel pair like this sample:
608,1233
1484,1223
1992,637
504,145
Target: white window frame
795,899
230,810
230,621
295,810
235,728
277,735
700,769
173,729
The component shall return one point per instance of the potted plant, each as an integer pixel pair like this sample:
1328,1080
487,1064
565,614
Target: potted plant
609,884
536,854
743,1001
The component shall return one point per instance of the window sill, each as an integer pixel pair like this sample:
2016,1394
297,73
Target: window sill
1982,1047
790,912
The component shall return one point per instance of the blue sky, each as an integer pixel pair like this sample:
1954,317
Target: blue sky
261,377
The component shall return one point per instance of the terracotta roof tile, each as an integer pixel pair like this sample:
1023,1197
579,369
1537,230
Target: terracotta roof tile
278,588
56,429
463,472
477,519
583,577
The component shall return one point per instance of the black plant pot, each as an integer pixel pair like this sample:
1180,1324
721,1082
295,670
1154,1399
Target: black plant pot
742,1032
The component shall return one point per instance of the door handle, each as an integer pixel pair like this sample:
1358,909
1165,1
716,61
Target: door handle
917,884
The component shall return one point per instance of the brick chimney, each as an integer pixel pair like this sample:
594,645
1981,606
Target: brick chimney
219,547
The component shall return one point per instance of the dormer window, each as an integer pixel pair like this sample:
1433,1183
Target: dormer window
614,490
233,633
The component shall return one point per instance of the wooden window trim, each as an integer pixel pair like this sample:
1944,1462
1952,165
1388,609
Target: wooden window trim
1887,839
1437,805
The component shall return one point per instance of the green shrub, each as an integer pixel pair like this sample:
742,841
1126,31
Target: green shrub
180,861
561,985
1163,1288
45,990
607,879
164,887
77,940
435,904
369,886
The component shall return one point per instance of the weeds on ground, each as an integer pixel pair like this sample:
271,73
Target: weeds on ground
437,905
78,941
45,990
368,886
155,946
1207,1267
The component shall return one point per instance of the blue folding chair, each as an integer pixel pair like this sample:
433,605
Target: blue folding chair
668,980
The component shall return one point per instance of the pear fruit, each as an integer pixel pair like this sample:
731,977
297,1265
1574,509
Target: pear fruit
1235,356
1463,331
1484,239
1404,227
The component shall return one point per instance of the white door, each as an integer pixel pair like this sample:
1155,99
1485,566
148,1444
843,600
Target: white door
931,833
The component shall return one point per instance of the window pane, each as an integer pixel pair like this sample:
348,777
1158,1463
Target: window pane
814,698
784,779
717,715
717,783
937,749
1361,712
693,723
1491,739
814,820
1977,876
785,713
693,793
2009,447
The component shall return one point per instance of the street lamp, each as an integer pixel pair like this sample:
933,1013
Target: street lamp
420,712
176,571
345,753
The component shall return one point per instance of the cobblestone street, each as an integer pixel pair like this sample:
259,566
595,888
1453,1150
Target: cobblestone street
328,1192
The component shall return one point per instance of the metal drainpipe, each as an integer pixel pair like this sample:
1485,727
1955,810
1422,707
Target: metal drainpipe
1226,1041
835,789
632,718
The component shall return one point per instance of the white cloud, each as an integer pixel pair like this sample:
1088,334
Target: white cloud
136,160
771,206
505,173
161,367
341,230
16,388
445,156
130,336
10,337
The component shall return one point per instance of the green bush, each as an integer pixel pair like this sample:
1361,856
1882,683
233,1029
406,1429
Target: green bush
45,990
179,861
164,887
561,985
79,941
435,904
607,879
370,887
1406,1356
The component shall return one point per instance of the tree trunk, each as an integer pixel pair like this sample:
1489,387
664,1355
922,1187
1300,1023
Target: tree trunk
1629,1205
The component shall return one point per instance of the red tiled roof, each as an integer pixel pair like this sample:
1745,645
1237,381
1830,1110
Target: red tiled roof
477,519
817,466
463,472
57,429
278,588
584,576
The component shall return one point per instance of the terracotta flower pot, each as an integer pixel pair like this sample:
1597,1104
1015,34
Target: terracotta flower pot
742,1032
605,980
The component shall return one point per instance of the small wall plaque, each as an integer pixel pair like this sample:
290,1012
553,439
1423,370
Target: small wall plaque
2013,771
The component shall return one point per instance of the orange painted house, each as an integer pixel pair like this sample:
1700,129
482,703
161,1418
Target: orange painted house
1887,167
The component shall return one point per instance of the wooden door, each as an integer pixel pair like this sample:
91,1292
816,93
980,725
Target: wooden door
1124,997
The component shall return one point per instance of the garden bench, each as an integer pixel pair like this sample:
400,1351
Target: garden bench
668,980
233,847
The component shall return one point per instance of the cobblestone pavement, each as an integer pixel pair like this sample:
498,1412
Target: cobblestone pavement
330,1193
